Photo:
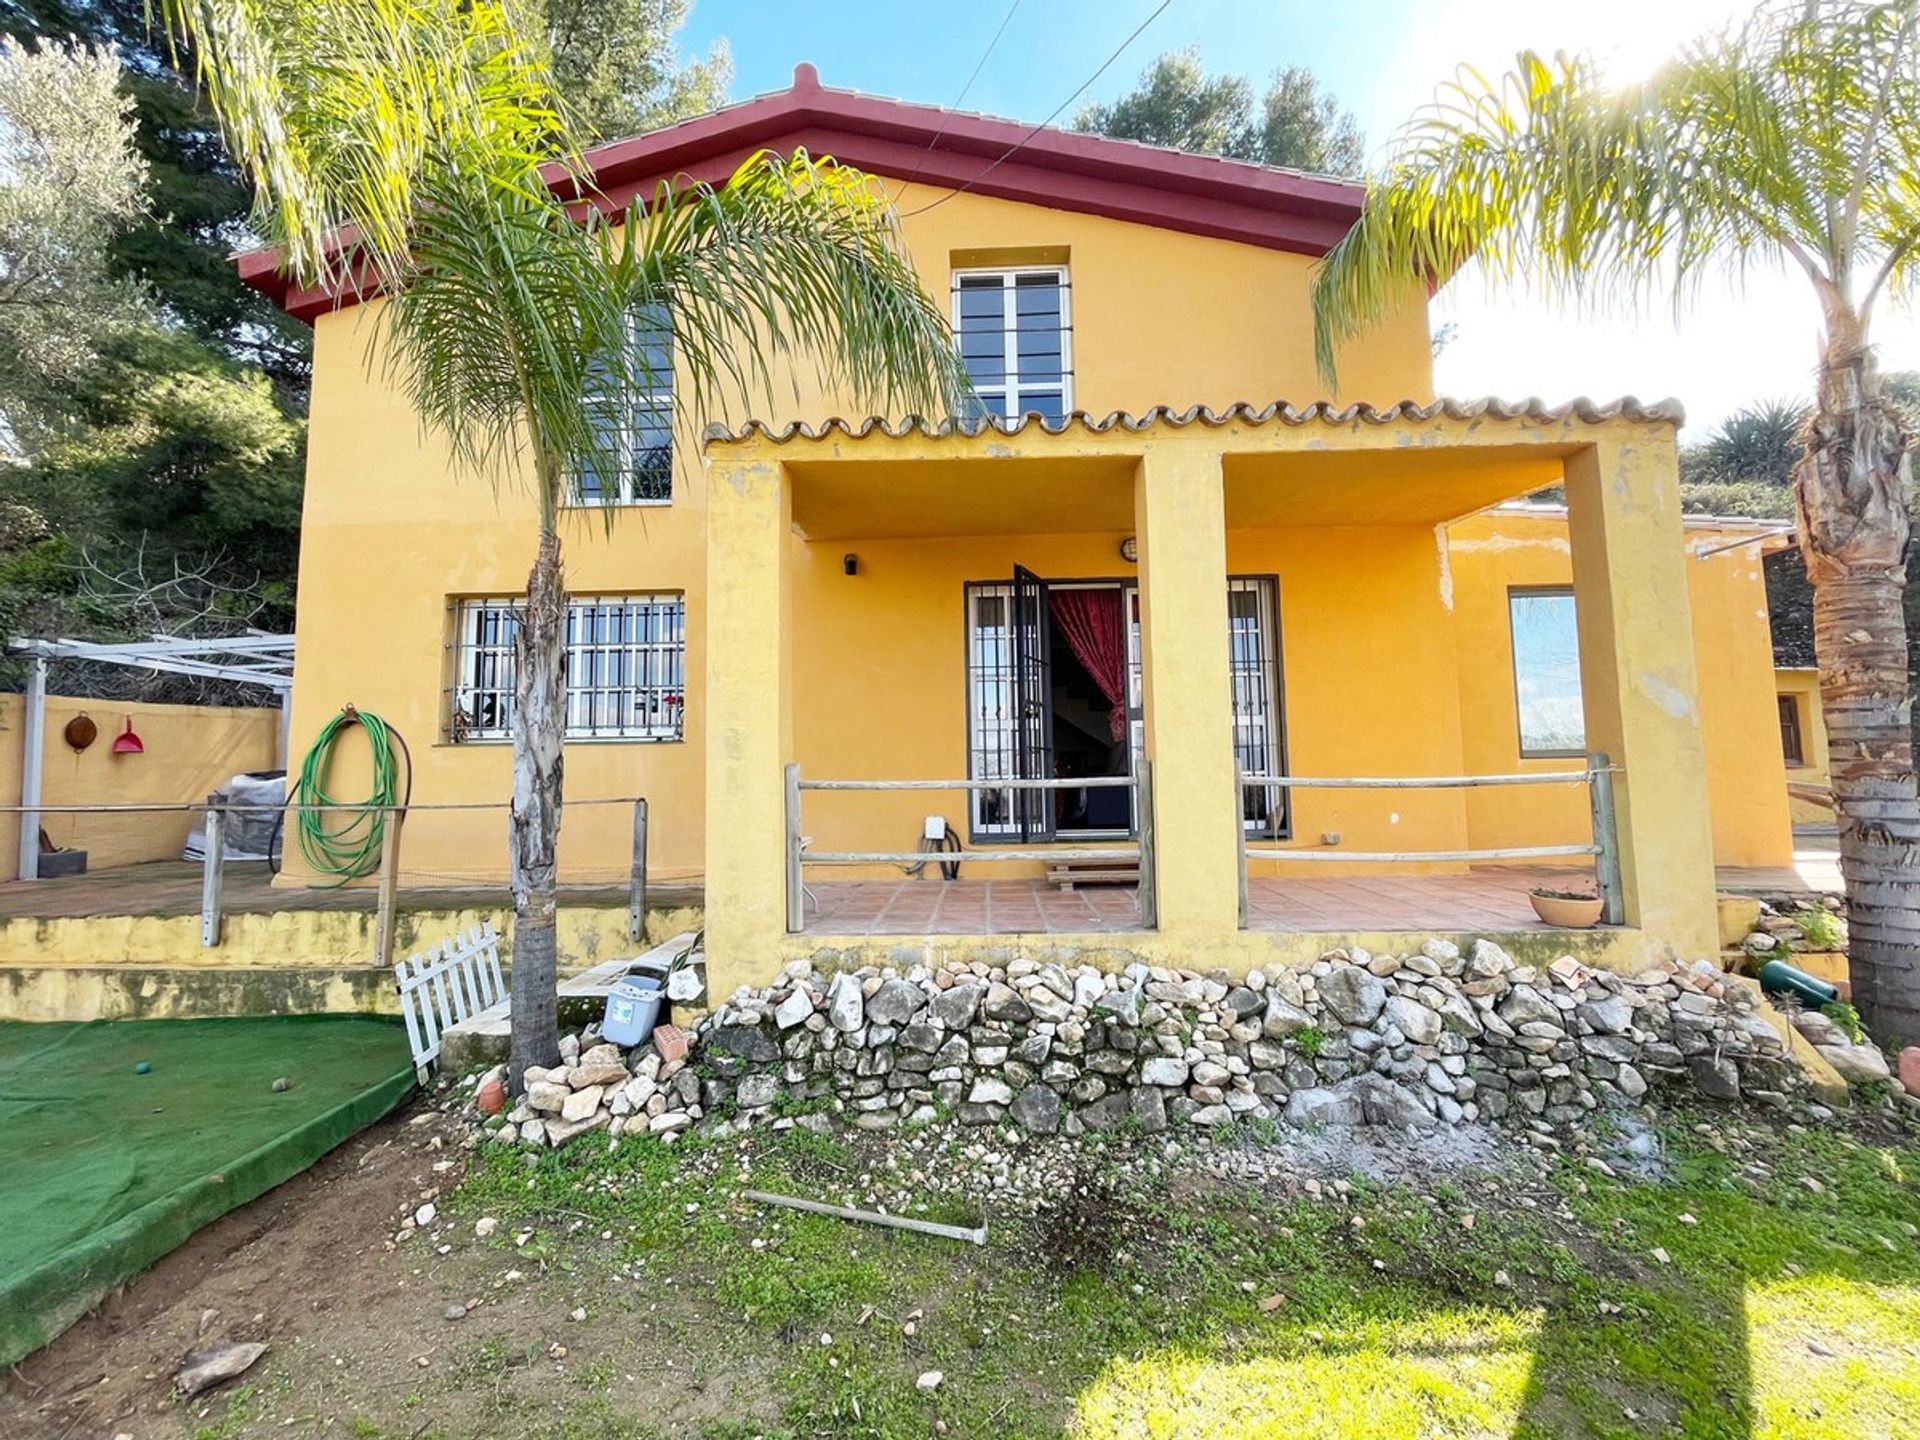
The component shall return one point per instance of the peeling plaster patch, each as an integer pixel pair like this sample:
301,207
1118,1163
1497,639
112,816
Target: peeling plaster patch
1393,817
1002,452
1446,567
1499,544
1668,696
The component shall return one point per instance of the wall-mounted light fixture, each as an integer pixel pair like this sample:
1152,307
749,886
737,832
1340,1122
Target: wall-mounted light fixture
850,563
1130,550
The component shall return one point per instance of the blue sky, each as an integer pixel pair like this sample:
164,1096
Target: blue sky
1382,58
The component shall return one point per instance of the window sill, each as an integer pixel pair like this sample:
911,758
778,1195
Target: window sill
618,504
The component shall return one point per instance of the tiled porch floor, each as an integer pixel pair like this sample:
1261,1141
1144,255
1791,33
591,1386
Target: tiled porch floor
1481,900
1492,897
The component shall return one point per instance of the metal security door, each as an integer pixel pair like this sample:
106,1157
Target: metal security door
1032,704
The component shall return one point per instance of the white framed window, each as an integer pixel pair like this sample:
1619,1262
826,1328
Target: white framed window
636,419
625,668
1546,671
1014,328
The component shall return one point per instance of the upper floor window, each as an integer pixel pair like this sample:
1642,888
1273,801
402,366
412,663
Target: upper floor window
1546,672
1015,329
1791,745
625,668
636,419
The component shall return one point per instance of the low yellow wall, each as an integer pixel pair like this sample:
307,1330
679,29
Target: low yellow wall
191,750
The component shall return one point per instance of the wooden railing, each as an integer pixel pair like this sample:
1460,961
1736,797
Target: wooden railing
799,855
1597,775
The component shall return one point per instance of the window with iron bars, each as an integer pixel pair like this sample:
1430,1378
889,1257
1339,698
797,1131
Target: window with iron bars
625,668
635,420
1015,333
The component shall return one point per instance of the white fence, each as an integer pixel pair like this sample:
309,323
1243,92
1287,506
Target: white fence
441,988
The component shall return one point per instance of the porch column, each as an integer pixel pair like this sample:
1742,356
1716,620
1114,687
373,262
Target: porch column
1637,680
749,724
1180,519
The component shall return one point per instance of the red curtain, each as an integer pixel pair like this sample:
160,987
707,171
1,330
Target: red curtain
1091,621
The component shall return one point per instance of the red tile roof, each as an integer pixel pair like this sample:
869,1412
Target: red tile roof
944,150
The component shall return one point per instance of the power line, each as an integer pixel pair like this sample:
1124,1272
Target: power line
947,118
1009,151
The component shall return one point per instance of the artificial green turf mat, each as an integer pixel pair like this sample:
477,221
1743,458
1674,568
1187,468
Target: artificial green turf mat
103,1170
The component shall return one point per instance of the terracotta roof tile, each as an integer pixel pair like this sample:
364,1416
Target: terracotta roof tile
1244,412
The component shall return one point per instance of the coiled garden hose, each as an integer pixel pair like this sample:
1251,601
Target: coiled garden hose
949,844
346,843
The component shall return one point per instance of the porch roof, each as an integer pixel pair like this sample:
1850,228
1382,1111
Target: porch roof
1283,465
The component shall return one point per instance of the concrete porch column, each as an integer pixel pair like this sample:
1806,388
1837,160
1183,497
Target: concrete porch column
749,717
1180,519
1637,680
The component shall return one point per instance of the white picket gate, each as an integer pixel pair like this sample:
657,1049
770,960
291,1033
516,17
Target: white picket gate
441,988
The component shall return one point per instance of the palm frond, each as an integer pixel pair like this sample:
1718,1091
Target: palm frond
1790,139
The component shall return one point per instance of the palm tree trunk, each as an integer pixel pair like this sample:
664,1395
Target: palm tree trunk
539,727
1850,489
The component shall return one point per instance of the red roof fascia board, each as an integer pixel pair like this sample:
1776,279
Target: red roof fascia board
943,151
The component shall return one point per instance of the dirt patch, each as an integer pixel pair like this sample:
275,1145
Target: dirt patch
358,1325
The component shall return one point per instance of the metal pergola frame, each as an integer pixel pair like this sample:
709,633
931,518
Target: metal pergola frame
256,658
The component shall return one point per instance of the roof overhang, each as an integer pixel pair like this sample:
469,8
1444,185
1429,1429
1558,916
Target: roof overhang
939,151
1282,466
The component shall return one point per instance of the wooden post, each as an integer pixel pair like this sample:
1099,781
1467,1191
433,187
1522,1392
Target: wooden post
33,747
1606,839
637,878
796,892
1146,897
389,887
212,868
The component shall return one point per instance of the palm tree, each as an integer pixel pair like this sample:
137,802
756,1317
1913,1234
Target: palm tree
416,148
1792,141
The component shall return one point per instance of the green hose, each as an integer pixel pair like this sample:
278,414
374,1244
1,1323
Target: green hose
346,843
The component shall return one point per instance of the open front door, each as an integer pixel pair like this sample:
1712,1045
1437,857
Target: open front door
1032,712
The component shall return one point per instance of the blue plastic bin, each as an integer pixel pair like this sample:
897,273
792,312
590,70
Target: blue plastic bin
633,1005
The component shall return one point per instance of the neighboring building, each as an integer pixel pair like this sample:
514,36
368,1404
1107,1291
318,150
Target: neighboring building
1144,556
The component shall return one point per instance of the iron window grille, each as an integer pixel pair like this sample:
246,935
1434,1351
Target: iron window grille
1014,328
634,419
625,668
1259,728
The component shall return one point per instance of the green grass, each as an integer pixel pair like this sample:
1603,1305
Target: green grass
1779,1311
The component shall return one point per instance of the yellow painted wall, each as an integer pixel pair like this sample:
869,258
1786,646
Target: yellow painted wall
1804,686
1489,554
191,750
390,533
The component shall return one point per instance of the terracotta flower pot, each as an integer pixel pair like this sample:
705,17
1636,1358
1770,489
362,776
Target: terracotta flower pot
1568,912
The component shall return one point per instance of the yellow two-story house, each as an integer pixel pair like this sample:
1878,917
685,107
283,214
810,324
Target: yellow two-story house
1155,617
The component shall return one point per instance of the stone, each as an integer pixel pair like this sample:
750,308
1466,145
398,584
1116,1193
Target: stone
1320,1106
1525,1005
846,1003
606,1076
1283,1017
747,1042
547,1097
895,1003
955,1008
1037,1108
796,1009
1149,1108
1354,996
1005,1005
559,1132
1630,1082
533,1132
929,1381
1857,1064
756,1092
989,1091
203,1369
1414,1020
1122,1006
1715,1076
1164,1070
669,1122
582,1103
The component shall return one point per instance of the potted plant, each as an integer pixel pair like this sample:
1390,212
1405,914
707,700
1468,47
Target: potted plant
1568,909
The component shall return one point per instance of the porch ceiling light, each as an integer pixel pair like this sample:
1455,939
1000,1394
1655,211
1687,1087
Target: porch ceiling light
1130,550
